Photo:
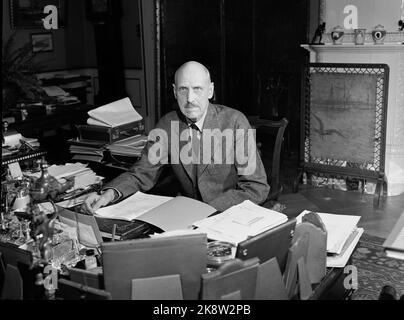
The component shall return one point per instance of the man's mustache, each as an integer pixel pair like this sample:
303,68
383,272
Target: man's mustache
191,105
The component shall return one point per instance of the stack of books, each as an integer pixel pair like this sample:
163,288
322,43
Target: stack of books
343,235
86,150
116,128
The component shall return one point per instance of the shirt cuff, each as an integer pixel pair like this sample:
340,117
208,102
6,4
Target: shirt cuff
117,194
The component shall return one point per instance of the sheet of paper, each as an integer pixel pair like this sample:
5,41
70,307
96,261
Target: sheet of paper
395,240
339,227
132,207
178,213
15,170
87,236
115,113
179,232
12,140
399,242
240,222
340,260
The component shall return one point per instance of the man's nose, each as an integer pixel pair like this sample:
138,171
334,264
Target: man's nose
191,95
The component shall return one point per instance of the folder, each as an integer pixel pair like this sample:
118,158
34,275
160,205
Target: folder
269,244
125,261
157,288
232,279
270,285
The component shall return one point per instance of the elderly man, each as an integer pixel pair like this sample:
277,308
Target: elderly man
191,141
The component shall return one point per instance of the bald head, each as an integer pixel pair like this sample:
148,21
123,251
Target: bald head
193,88
192,67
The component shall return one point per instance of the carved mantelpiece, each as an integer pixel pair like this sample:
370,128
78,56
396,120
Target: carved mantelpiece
391,54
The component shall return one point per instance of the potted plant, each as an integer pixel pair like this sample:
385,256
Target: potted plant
18,75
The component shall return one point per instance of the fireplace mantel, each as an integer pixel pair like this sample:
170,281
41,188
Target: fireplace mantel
391,54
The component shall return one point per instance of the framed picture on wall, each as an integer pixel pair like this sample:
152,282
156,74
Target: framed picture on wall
28,14
42,42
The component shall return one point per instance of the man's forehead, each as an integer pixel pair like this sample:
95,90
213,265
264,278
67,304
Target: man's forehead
193,79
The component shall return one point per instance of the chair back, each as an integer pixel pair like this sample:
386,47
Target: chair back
273,176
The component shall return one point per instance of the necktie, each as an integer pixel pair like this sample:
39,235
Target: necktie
195,144
196,157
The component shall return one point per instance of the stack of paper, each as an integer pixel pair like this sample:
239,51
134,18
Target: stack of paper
114,114
342,236
83,176
131,147
240,222
87,150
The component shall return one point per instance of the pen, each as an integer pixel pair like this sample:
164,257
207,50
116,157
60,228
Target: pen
113,232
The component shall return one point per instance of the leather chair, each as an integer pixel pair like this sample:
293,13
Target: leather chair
270,128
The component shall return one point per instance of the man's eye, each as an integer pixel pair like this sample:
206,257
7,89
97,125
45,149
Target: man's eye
182,90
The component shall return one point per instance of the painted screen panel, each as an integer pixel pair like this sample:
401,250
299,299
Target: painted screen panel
342,117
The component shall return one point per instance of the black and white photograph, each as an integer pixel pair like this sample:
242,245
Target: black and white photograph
183,154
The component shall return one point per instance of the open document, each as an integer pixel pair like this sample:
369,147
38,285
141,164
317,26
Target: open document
339,228
166,213
340,260
240,222
114,114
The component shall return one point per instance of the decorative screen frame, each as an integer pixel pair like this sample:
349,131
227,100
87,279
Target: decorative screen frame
343,167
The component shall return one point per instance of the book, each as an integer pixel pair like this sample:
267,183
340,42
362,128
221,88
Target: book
240,222
339,227
125,230
394,244
166,213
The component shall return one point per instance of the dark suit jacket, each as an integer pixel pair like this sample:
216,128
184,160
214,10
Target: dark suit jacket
222,184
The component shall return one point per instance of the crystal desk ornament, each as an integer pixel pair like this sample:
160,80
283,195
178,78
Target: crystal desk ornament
45,188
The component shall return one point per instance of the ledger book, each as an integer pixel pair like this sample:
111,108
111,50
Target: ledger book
166,213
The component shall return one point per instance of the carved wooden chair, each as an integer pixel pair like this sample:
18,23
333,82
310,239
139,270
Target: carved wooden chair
270,128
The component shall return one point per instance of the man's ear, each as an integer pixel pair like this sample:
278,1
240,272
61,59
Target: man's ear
211,90
175,91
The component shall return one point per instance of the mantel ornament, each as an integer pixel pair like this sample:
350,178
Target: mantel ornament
337,34
379,34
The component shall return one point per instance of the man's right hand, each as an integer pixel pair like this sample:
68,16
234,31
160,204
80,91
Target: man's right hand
95,201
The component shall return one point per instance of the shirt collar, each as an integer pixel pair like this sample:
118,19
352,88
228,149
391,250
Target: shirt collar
200,122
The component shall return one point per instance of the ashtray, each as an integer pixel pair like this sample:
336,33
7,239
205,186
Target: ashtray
220,252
